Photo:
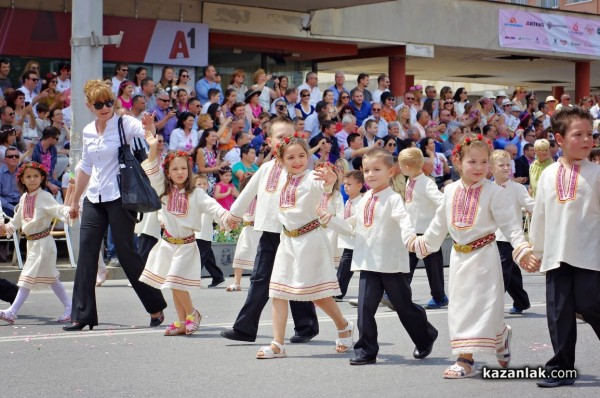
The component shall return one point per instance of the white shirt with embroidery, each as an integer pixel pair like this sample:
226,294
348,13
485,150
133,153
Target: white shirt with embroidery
517,198
36,212
349,210
421,199
564,225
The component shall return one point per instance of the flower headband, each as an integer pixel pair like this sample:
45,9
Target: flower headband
287,140
31,165
173,155
467,141
415,88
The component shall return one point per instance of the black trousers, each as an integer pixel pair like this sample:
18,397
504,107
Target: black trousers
303,312
434,267
95,219
208,261
8,291
145,244
343,272
513,279
569,290
412,316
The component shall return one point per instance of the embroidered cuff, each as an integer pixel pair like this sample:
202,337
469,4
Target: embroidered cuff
410,245
10,229
150,167
520,251
421,248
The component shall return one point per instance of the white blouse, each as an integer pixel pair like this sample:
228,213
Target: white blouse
179,141
99,159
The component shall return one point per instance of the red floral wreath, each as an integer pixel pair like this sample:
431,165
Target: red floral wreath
287,140
31,165
467,142
175,154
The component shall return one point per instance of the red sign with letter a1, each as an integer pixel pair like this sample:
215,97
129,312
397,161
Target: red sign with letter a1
178,43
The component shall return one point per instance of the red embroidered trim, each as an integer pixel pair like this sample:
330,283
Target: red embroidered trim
464,207
369,212
273,179
408,196
178,203
571,188
287,199
348,209
29,207
252,208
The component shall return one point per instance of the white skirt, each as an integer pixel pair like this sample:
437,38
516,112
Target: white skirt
39,269
172,266
245,251
303,268
476,308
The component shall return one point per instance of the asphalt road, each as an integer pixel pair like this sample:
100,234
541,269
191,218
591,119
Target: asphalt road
122,357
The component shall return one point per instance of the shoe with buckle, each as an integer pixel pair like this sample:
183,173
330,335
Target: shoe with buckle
268,352
434,305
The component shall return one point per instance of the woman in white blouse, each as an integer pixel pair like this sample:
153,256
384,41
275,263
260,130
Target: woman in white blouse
97,177
183,138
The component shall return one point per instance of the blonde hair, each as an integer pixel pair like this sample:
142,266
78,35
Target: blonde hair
203,119
256,74
343,165
96,90
380,153
412,157
499,154
541,145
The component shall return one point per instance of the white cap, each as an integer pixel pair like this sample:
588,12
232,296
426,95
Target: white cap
550,98
538,114
501,93
506,101
489,94
515,108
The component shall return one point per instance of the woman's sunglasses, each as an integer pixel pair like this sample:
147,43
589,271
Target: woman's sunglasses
99,105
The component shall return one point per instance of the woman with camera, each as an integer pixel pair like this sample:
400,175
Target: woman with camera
266,93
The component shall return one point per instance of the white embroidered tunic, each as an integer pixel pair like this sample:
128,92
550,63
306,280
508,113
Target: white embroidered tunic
347,241
516,198
421,199
245,250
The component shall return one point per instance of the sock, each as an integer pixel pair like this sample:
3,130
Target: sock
22,295
61,293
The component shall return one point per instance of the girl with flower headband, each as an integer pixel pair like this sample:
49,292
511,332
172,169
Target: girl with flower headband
36,210
174,262
303,269
473,208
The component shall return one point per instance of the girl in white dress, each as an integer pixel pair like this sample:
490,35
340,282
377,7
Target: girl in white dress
303,268
174,262
473,208
37,209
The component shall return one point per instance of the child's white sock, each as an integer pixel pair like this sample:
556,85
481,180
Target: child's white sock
61,293
22,295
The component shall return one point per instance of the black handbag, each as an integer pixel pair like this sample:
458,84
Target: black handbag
137,194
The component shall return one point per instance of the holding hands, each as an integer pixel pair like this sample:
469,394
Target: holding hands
530,262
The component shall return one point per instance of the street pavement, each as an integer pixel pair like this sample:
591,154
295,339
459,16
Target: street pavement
122,357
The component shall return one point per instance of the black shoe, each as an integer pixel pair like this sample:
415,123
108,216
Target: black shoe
76,326
233,334
302,339
422,354
217,283
552,382
154,322
362,361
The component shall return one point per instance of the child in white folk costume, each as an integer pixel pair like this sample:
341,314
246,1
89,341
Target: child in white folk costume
421,199
245,250
335,205
37,209
472,210
564,233
382,234
173,263
354,183
517,197
303,268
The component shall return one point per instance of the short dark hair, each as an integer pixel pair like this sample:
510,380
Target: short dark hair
4,61
290,90
192,99
361,76
212,92
119,65
145,82
239,135
487,128
42,107
562,119
527,146
327,124
381,78
245,149
50,132
357,175
352,137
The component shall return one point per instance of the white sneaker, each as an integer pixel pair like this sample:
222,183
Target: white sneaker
114,262
353,302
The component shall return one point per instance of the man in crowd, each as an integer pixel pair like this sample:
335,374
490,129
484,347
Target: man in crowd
194,107
289,100
422,120
362,108
9,191
327,131
148,93
121,71
164,116
30,80
383,85
5,82
348,127
565,102
138,106
382,124
208,81
409,101
338,87
362,83
311,85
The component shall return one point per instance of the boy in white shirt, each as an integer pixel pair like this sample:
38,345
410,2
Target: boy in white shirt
422,198
564,234
516,197
354,181
379,225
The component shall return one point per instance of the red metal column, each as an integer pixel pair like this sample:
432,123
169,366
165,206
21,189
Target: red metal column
582,80
397,73
410,81
557,91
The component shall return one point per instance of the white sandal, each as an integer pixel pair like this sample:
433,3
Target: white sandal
268,352
345,342
459,371
233,288
505,355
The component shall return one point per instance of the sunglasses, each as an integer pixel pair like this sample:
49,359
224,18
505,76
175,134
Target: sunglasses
410,98
306,95
99,105
124,70
391,144
448,102
376,110
567,99
12,156
345,97
160,141
35,79
54,81
163,100
185,76
390,99
11,114
281,107
347,111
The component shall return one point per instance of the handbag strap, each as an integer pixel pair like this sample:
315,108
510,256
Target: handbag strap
122,137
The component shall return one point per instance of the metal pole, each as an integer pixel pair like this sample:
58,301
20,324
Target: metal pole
86,64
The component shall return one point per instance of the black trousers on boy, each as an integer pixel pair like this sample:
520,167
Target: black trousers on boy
208,261
96,218
434,267
8,291
513,279
569,290
343,272
303,312
412,316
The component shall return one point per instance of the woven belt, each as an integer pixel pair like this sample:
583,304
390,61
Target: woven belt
314,224
248,223
39,235
178,241
476,244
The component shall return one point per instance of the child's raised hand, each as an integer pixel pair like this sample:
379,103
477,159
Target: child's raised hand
151,139
326,174
148,121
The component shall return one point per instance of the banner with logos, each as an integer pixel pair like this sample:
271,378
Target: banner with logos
549,32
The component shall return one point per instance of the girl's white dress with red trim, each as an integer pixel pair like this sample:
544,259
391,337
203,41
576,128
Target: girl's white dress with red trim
245,250
476,288
303,268
177,266
35,214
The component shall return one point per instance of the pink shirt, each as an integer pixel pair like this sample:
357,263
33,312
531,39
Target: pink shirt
227,201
